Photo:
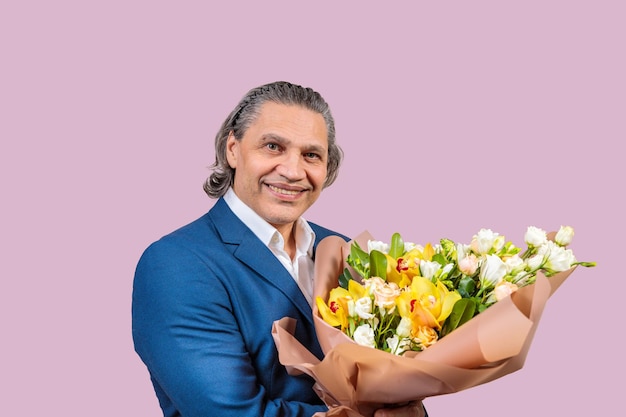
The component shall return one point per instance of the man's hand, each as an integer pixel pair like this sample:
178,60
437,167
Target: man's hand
413,409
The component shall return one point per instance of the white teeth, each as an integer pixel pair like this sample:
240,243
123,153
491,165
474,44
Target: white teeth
283,191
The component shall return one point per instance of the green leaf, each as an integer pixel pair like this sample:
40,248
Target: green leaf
345,278
359,260
440,259
396,248
378,264
463,311
467,287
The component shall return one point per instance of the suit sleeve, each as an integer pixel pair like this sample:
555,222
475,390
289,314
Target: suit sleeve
185,331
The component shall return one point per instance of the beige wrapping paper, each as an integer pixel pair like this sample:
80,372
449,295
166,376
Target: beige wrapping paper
355,380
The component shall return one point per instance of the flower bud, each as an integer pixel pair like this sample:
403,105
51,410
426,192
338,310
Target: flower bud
564,235
535,236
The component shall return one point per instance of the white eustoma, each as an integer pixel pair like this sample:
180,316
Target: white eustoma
398,345
564,235
404,327
377,245
446,271
364,335
483,241
536,261
428,269
535,237
558,258
492,270
363,308
409,246
514,264
521,278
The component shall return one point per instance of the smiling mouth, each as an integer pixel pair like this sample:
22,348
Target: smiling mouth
283,191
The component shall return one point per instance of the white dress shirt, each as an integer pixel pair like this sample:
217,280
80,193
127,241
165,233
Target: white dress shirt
301,266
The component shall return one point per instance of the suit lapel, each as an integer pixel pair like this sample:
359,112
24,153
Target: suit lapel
247,247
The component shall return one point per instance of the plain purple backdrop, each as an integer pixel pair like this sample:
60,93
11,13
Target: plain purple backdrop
453,116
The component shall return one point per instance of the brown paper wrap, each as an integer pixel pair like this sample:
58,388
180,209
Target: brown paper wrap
355,380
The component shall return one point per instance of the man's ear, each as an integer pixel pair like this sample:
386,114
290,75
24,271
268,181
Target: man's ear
232,150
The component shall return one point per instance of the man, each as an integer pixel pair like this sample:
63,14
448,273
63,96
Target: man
206,295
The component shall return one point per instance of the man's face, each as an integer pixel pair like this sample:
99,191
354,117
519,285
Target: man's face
280,163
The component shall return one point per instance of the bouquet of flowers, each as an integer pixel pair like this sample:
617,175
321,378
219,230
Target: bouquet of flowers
409,321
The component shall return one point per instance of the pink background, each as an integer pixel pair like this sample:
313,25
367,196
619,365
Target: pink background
453,116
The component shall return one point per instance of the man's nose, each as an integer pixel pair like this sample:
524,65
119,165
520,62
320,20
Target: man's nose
292,166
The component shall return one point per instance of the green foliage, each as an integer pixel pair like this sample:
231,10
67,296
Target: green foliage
359,260
378,264
344,278
396,248
462,312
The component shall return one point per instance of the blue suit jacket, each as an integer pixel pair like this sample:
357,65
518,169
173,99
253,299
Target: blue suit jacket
204,300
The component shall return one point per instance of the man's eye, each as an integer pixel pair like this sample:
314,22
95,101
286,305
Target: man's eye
312,155
272,146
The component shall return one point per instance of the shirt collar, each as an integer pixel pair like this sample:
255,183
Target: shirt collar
305,236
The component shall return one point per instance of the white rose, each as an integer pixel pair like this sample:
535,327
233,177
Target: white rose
363,308
564,235
364,335
385,295
535,236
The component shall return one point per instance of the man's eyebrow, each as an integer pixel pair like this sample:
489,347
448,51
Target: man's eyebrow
268,137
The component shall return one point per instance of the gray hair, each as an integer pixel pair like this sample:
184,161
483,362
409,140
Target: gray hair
247,111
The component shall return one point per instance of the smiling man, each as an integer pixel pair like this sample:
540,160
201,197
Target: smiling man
206,295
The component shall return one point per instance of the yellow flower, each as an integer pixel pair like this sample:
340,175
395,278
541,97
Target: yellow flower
426,336
337,311
426,304
402,270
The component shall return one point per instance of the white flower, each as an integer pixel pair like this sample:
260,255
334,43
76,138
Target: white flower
409,246
558,258
363,308
564,235
535,236
445,271
492,270
536,261
428,269
483,241
521,278
462,250
404,327
377,245
514,264
364,335
398,346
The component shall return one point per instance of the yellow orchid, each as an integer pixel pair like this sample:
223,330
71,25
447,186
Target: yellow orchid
426,304
337,311
402,270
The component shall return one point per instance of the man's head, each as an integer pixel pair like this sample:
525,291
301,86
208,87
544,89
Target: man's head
248,111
